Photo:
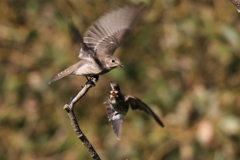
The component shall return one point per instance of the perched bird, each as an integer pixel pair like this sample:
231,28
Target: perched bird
100,42
118,104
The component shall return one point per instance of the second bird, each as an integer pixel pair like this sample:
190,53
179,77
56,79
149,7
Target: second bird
100,42
118,104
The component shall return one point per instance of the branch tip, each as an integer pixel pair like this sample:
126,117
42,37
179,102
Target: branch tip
66,107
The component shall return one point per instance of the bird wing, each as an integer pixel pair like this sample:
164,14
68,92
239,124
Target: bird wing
136,103
75,34
85,52
105,35
117,123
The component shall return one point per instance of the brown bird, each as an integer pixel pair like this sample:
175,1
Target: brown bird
100,42
118,104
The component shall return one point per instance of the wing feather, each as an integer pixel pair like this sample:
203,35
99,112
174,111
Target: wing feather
105,35
136,103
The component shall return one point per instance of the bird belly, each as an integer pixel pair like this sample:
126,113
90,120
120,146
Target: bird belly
117,115
88,69
119,108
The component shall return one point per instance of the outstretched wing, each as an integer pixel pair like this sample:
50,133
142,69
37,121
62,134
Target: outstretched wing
117,123
75,34
136,103
85,51
105,35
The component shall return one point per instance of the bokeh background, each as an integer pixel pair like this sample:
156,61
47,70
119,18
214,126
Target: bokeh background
182,58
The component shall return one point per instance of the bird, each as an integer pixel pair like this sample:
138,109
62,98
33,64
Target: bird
100,42
118,104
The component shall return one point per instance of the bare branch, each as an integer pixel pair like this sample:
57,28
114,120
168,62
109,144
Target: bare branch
70,110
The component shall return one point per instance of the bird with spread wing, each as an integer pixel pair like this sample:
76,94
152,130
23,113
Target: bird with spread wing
118,104
100,42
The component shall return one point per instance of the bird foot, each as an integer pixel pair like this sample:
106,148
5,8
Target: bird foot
90,82
92,79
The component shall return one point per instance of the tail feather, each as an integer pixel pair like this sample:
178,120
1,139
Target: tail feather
116,126
116,123
61,74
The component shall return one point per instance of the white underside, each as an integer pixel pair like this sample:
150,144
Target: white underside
117,116
88,69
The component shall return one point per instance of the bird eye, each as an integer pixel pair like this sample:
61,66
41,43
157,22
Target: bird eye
113,61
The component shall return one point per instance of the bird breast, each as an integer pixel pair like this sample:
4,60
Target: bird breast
87,68
118,105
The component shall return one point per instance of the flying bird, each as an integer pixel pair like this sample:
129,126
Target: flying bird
100,42
118,104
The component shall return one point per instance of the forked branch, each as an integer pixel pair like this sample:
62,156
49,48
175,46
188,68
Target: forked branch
70,110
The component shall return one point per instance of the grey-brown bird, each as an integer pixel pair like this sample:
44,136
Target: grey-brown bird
100,42
118,104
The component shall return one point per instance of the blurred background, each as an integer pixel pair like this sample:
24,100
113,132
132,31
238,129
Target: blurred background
182,58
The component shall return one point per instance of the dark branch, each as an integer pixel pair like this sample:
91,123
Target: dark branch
70,110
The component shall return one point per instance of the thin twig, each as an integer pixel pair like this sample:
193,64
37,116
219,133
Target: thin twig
70,110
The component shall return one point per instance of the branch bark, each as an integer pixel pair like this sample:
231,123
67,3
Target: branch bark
70,111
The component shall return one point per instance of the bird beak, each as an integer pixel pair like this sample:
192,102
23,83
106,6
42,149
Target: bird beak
114,94
120,65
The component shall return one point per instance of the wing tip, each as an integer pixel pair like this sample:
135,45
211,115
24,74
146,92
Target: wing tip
162,125
160,122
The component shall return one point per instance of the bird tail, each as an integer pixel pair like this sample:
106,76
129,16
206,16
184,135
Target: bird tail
116,123
61,74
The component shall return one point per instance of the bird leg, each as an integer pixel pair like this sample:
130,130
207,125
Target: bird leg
95,76
87,78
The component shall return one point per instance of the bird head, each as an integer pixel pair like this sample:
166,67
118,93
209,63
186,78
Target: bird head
113,62
114,86
115,92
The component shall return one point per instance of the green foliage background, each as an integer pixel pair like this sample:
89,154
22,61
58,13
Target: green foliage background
182,59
